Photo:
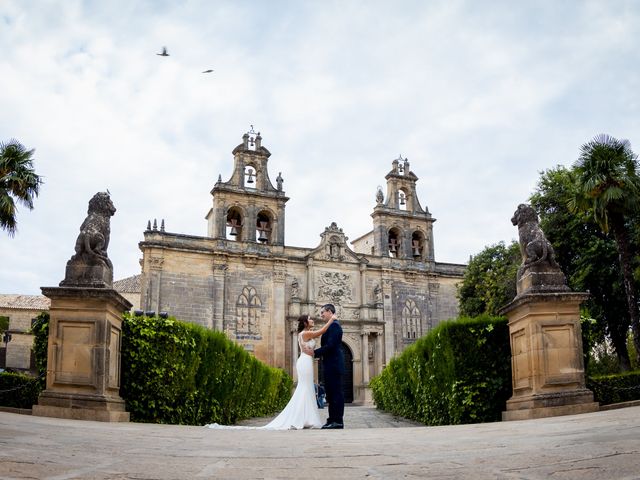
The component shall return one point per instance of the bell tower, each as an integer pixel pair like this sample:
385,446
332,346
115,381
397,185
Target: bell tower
248,208
401,227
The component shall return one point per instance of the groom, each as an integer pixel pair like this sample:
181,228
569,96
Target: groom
333,367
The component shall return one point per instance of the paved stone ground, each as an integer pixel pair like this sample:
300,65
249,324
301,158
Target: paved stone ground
602,445
354,417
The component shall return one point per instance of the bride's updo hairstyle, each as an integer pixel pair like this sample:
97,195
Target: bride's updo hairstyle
303,322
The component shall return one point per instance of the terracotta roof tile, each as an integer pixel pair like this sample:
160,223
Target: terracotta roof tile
128,285
40,302
26,302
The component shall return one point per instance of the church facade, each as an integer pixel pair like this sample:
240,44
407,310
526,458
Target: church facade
244,280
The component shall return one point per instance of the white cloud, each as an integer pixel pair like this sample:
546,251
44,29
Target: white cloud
479,96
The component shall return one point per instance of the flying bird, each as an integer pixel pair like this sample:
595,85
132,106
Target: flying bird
207,71
164,52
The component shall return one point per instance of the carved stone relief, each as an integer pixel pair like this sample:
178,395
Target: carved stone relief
156,263
334,287
377,294
279,271
410,277
348,313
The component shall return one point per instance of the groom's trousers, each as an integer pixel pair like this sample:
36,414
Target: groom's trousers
335,396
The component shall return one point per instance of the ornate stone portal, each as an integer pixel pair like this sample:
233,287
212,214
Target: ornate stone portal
545,335
83,363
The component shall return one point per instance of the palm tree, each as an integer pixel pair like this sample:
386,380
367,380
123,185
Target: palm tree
608,187
18,182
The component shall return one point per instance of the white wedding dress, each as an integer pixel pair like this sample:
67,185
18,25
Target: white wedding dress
302,409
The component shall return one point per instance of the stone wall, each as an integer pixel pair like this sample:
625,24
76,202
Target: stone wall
255,297
21,314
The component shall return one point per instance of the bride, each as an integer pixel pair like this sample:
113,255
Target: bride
302,409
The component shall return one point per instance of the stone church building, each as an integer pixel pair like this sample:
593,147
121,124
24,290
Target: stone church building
244,280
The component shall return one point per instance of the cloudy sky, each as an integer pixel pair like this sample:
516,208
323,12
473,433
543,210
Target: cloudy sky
479,96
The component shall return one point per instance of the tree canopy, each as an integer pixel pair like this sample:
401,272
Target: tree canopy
489,281
18,182
587,253
607,188
587,256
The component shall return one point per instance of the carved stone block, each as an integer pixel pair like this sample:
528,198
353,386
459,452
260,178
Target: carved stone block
79,274
542,281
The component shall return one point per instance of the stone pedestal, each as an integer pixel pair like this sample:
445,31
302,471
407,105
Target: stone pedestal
546,356
79,274
83,363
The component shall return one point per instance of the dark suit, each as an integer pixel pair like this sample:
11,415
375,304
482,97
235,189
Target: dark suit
333,367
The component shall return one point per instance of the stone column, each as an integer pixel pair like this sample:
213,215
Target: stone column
83,361
546,357
365,357
85,329
219,267
295,349
278,317
387,309
310,284
547,368
367,398
294,303
379,358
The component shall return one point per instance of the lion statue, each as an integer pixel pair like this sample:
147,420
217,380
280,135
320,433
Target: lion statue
93,240
534,246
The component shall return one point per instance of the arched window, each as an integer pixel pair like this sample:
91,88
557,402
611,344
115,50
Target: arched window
410,320
234,224
248,308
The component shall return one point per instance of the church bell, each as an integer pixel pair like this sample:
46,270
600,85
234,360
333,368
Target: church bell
263,229
233,223
416,248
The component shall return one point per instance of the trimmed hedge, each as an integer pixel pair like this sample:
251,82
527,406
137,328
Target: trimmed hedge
18,390
173,372
621,387
181,373
459,373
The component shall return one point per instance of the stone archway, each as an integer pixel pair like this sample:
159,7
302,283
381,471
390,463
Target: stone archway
347,379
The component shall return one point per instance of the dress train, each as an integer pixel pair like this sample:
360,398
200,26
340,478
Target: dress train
302,409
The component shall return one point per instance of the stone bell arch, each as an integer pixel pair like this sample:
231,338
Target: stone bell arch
257,207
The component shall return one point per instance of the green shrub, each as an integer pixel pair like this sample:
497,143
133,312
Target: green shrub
621,387
18,390
181,373
40,331
459,373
